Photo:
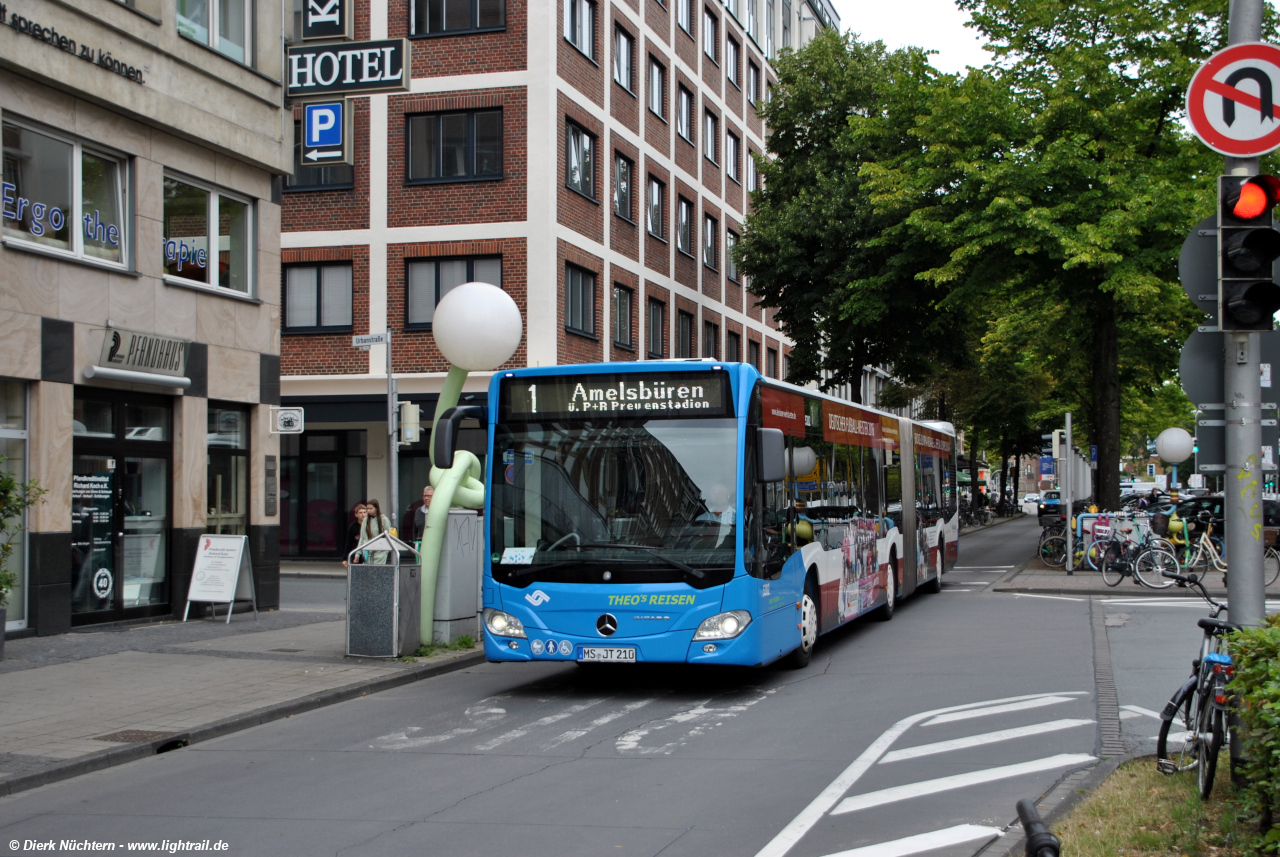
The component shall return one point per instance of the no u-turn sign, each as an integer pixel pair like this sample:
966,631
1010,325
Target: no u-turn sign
1234,100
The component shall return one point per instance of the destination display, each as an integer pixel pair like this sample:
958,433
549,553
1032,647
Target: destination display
646,396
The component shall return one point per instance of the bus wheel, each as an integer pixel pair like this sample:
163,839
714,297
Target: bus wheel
935,585
885,613
808,628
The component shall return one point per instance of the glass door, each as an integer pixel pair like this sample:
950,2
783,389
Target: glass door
93,528
144,497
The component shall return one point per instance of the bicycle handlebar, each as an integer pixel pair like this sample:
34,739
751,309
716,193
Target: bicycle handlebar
1193,580
1040,842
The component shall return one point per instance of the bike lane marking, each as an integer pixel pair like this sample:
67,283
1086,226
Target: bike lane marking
980,740
957,835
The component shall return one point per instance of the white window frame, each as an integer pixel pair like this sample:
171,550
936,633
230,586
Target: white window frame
732,152
684,113
586,154
251,252
768,29
752,183
657,193
576,30
213,37
659,92
711,136
730,266
622,63
732,58
75,218
753,82
684,226
710,35
684,15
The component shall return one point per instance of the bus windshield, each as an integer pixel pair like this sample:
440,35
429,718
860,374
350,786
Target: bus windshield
621,501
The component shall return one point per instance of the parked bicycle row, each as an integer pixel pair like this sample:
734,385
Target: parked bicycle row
983,514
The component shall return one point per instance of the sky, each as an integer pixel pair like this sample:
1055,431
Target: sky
935,25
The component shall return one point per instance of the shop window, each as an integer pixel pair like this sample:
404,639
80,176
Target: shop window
447,17
580,300
317,299
311,177
580,165
62,196
13,463
227,480
208,237
454,147
427,282
224,25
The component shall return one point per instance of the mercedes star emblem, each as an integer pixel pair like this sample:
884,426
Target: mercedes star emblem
606,625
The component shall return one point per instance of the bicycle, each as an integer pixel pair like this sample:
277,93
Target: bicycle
1040,842
1199,706
1146,560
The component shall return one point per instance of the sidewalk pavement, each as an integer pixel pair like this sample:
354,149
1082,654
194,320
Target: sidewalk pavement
1034,577
104,696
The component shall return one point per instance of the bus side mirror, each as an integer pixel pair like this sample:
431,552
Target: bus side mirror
771,446
446,435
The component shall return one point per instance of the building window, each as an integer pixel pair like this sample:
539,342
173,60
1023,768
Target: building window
684,226
732,6
311,177
731,52
684,334
197,218
786,23
751,170
710,35
13,463
580,25
768,29
730,264
227,479
622,300
580,300
732,147
751,18
657,327
753,354
684,15
623,51
446,17
733,347
657,88
452,147
710,242
623,169
710,136
580,165
317,299
771,363
656,206
753,82
223,25
427,281
684,114
711,340
60,195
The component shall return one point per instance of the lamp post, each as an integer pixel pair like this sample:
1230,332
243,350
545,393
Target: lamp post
1175,446
477,328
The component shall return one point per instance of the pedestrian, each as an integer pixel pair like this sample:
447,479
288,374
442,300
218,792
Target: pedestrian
420,516
409,523
358,514
375,524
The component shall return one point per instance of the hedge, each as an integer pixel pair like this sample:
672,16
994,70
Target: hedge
1256,655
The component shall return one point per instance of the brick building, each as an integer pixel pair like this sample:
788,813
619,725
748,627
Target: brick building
592,157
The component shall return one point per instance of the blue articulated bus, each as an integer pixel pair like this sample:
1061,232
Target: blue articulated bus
695,511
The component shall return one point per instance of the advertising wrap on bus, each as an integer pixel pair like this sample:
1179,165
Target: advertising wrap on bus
669,512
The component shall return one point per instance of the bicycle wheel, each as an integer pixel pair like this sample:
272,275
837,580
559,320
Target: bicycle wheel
1210,739
1112,565
1054,551
1176,747
1094,554
1270,567
1151,566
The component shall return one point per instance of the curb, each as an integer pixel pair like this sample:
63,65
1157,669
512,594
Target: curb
114,756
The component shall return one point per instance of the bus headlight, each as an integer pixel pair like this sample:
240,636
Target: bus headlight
503,624
723,626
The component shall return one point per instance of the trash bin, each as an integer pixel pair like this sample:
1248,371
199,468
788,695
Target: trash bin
383,602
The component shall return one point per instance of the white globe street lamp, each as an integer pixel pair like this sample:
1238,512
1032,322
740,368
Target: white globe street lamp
1174,445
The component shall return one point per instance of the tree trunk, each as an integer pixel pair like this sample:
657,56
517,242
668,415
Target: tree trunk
942,406
1004,466
1105,401
856,371
1017,477
973,469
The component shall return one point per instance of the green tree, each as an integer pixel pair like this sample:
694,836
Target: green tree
15,498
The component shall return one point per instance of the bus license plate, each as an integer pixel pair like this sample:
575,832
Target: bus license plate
606,654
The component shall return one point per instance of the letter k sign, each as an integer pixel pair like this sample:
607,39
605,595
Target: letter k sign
327,14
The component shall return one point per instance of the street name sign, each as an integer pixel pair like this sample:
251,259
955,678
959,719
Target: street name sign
326,133
365,340
347,68
1232,100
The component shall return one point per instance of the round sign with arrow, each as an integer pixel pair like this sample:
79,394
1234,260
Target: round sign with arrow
1232,100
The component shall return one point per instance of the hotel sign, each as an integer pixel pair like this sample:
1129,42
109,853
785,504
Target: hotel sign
349,68
144,352
326,19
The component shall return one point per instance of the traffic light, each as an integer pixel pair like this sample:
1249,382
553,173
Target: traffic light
1248,296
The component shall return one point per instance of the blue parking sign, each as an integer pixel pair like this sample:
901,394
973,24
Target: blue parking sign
323,125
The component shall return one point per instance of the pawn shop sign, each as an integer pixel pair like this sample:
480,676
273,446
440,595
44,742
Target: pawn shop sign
1232,100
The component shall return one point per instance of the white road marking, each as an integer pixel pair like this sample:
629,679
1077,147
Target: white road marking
702,713
482,714
952,589
976,567
957,835
1050,597
960,781
979,740
1038,702
1136,709
1157,601
574,734
542,721
796,829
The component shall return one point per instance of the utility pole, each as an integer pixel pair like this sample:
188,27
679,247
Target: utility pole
1246,595
393,444
1068,488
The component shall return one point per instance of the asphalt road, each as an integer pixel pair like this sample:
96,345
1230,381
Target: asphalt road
911,736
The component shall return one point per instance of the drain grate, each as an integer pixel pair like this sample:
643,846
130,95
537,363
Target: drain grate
134,736
288,650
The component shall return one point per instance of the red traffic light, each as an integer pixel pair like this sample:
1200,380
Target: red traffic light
1252,198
